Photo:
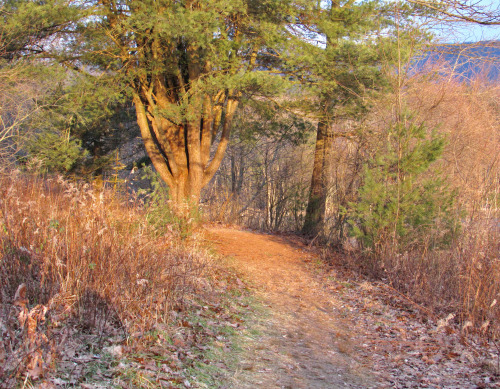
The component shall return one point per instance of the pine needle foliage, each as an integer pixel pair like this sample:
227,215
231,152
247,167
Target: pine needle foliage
55,152
186,66
404,201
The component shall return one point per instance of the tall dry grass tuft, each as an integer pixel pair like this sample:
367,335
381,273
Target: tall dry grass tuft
478,252
463,280
85,255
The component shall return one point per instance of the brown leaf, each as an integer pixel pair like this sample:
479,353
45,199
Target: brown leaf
32,324
35,366
23,315
20,296
179,342
139,360
36,372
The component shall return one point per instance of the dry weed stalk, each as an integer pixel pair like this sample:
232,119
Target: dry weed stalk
480,276
463,279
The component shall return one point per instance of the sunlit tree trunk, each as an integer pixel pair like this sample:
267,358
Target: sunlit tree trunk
314,221
181,153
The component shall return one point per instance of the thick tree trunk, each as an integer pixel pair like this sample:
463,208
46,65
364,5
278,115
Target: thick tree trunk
181,153
314,221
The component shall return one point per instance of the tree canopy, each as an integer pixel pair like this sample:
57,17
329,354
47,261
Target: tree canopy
185,65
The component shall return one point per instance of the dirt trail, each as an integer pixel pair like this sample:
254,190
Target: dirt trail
302,341
323,330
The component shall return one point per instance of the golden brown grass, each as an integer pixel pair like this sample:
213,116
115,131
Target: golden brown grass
463,280
89,257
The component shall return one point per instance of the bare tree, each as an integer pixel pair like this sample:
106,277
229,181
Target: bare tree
17,104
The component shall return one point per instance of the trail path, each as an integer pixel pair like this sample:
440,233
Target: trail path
319,332
303,344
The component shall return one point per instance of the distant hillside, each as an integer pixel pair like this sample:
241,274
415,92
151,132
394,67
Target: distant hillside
466,60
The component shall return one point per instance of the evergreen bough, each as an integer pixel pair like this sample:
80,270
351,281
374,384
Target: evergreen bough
56,151
403,200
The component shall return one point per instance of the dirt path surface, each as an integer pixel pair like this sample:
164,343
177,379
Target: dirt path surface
302,344
320,332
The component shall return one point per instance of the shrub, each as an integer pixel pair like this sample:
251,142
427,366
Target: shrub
463,279
57,152
402,201
162,214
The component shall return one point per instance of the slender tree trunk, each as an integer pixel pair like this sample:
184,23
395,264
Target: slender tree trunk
314,221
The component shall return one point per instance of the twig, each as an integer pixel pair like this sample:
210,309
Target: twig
313,240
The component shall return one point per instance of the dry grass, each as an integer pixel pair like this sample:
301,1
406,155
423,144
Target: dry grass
85,257
463,280
478,252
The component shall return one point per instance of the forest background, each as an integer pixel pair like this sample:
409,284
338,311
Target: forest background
353,123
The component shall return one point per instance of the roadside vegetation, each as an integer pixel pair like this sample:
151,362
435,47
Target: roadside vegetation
413,202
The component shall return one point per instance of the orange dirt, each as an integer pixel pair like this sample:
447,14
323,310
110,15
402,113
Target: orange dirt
302,340
321,329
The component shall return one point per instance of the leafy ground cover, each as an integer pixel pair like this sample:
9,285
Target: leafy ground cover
325,326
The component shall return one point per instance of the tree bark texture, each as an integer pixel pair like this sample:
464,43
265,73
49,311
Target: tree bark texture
180,152
314,220
181,112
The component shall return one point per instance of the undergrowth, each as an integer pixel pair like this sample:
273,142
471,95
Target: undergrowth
162,213
462,280
73,256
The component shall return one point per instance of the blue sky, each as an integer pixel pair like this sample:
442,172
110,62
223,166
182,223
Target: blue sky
469,34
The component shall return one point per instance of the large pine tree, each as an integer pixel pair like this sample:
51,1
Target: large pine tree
339,70
185,65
